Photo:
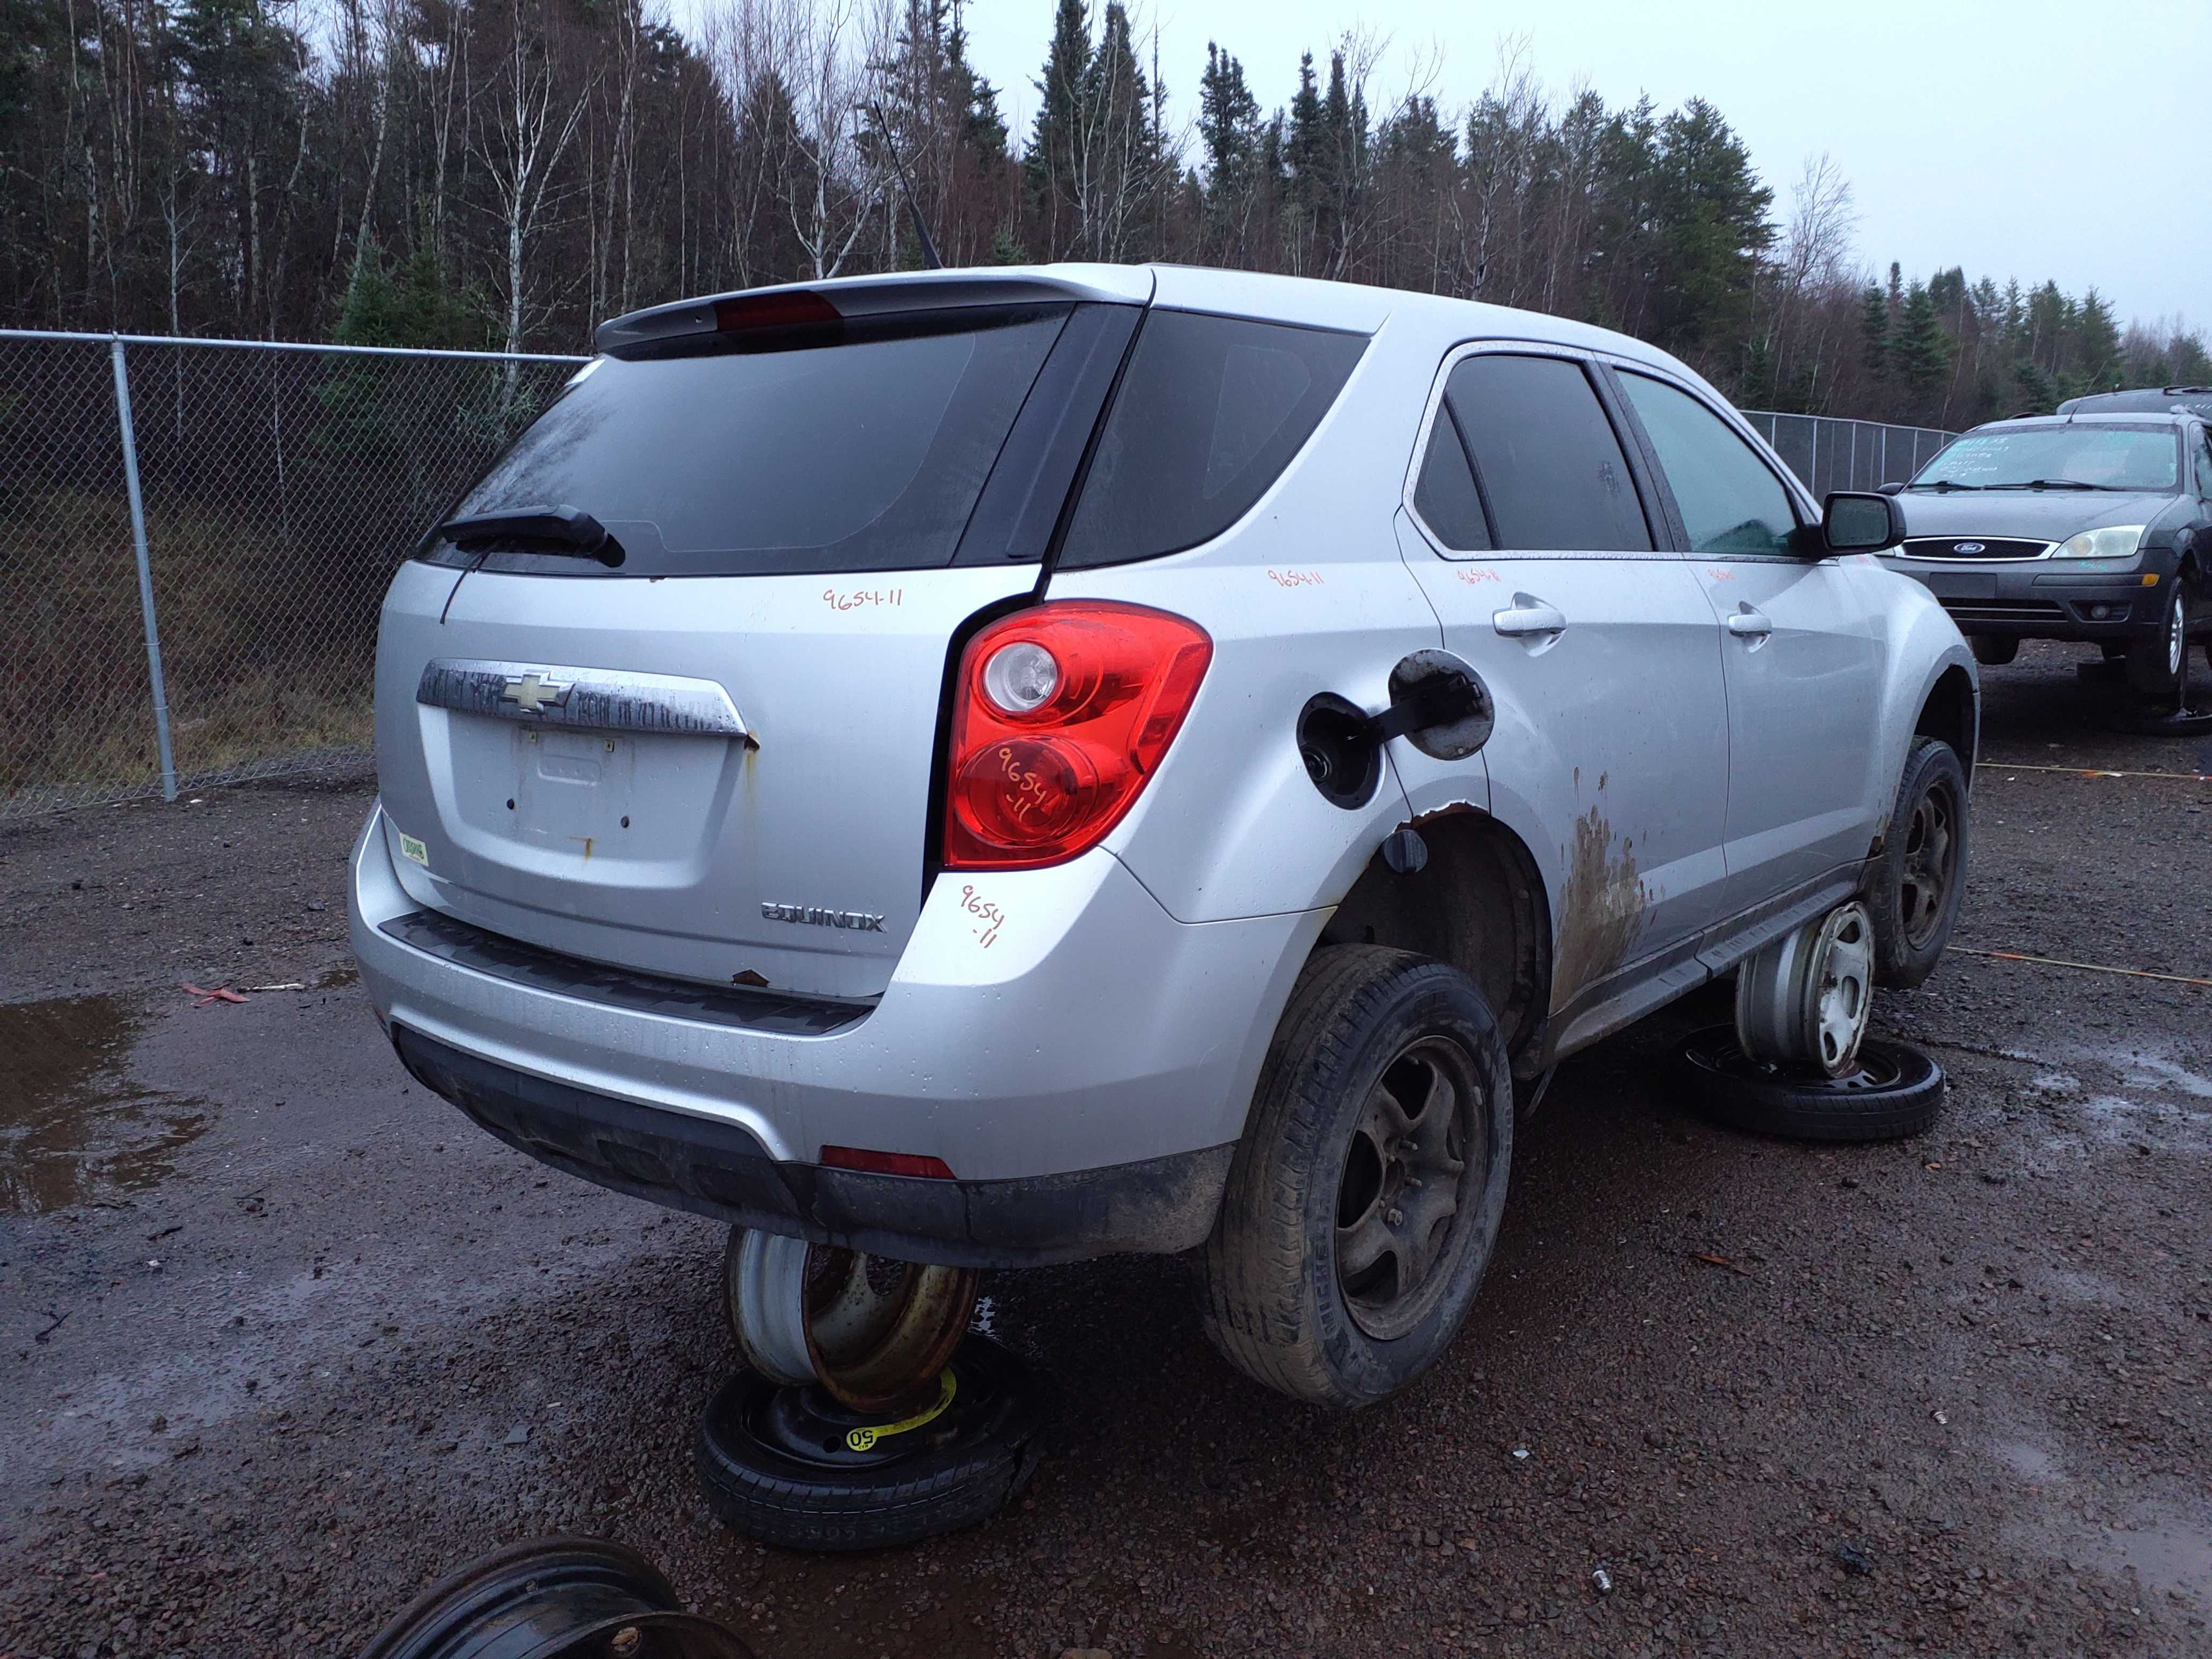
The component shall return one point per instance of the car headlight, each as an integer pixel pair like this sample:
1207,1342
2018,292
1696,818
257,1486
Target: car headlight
2120,542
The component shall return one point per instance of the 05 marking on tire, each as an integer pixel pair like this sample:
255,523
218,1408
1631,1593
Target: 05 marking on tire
864,1439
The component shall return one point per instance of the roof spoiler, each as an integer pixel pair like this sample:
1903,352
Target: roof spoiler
853,297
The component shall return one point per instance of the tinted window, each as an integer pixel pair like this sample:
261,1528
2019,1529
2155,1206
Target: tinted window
1547,458
2204,465
1210,411
1730,501
858,456
1445,494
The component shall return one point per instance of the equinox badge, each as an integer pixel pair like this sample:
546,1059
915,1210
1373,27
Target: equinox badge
814,916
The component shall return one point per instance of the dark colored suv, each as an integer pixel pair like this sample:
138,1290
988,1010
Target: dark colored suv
2090,526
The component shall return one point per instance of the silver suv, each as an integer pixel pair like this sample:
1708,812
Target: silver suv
999,767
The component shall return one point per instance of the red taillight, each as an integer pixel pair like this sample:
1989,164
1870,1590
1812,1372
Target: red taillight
786,309
1050,750
917,1165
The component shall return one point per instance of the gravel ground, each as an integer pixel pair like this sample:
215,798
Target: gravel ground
284,1339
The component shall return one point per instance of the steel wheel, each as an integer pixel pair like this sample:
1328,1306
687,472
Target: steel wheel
871,1329
1805,999
2177,632
1406,1172
1931,863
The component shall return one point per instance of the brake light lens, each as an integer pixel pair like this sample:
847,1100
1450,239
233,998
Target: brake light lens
786,308
1062,712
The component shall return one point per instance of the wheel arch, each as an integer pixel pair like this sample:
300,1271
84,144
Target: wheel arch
1949,712
1479,903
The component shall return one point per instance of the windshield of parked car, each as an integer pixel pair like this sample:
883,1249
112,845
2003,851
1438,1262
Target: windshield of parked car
2056,457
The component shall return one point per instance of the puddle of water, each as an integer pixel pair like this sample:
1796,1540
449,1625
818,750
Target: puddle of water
2029,1461
2166,1551
73,1128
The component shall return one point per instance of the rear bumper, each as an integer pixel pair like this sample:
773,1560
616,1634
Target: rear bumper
2030,600
1083,1071
718,1170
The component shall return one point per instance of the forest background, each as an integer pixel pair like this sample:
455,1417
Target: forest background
506,172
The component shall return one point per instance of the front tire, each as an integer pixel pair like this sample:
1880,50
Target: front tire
1366,1194
2156,660
1921,874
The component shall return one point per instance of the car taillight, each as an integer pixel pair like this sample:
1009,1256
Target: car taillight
1061,712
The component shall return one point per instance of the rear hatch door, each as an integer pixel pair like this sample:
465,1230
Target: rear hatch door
703,747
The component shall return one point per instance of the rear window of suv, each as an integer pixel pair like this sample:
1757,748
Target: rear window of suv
861,455
1210,411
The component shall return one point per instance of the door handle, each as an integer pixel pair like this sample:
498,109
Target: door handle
1746,623
1528,615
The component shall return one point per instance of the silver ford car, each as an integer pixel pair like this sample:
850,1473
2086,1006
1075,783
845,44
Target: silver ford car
995,768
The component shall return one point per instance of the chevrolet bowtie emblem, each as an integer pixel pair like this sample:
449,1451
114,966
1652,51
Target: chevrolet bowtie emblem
536,693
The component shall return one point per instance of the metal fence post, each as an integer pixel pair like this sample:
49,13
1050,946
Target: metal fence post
145,570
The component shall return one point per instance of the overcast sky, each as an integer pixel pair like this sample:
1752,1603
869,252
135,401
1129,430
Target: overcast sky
2015,137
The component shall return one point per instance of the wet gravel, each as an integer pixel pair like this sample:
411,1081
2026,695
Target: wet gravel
268,1374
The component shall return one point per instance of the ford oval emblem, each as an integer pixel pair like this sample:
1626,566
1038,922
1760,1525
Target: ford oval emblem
1967,547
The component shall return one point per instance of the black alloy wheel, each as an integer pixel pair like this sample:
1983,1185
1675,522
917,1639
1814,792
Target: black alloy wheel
1419,1149
1931,863
1915,888
1365,1196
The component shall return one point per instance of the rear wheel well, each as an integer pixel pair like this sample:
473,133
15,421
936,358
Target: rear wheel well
1949,714
1479,904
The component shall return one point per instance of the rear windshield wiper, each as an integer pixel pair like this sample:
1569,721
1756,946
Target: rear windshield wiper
558,529
2054,483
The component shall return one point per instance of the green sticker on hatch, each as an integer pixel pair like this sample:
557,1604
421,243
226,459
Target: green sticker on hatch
411,848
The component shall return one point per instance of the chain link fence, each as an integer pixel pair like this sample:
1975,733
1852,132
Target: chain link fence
199,536
200,533
1826,453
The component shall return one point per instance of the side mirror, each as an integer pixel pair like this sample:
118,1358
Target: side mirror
1855,523
1890,488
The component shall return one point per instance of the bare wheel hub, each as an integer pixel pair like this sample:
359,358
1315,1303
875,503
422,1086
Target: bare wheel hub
871,1330
1414,1151
1805,1000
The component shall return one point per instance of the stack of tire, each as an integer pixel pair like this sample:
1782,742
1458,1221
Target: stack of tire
1759,1075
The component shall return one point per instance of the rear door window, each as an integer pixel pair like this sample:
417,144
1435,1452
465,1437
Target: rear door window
1730,501
1546,457
1210,412
866,454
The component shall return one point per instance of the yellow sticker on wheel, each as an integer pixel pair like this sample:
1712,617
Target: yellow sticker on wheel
409,848
864,1439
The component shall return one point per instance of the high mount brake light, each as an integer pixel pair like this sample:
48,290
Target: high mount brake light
1046,758
775,310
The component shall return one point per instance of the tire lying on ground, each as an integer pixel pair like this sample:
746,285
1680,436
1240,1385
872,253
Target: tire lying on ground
1894,1091
554,1598
791,1467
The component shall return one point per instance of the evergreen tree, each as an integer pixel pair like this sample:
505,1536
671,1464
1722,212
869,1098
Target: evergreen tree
1050,168
1922,354
1874,335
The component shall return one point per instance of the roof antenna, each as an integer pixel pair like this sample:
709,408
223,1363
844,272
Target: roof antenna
921,230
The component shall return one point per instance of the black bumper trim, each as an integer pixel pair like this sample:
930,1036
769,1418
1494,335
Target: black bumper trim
467,945
1156,1207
